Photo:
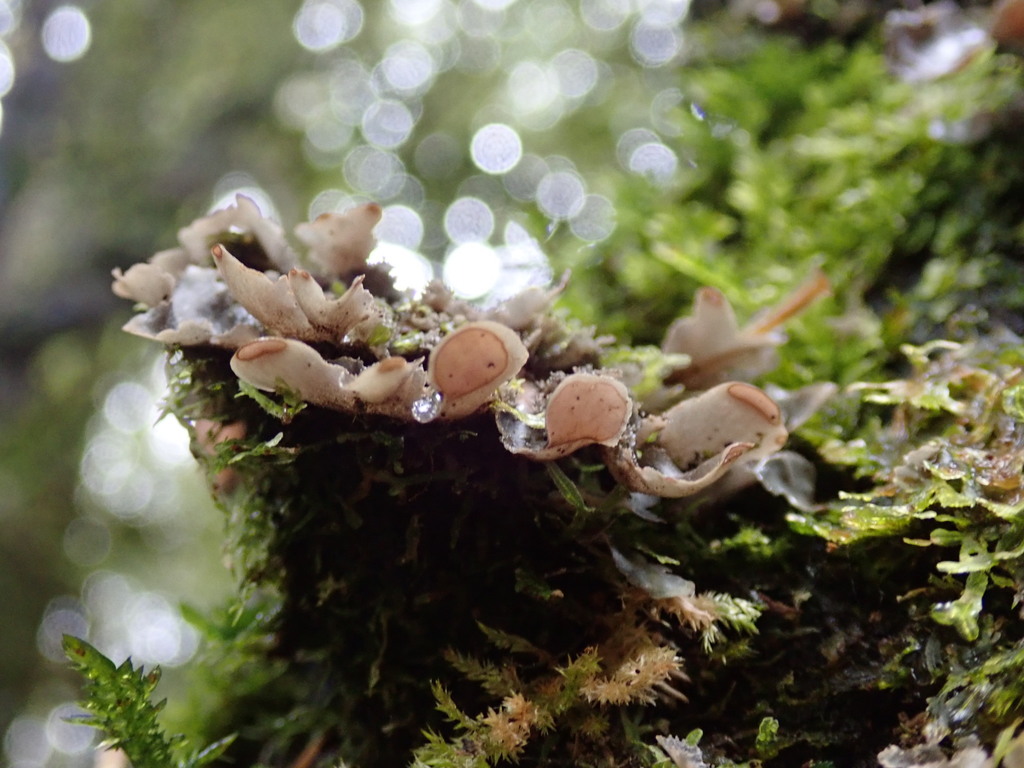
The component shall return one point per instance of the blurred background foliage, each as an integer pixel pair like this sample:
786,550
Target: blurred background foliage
649,146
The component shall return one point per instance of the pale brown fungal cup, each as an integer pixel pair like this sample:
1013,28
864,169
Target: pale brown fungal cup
471,362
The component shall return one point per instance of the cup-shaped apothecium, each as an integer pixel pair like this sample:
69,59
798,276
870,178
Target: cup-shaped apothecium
584,409
322,335
470,363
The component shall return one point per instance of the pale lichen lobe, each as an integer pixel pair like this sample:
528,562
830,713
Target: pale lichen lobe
431,357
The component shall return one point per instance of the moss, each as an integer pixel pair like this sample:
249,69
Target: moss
390,549
120,704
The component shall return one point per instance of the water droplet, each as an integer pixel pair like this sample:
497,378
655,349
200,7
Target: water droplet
697,111
427,407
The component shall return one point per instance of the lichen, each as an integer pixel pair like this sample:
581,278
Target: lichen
465,359
505,582
332,442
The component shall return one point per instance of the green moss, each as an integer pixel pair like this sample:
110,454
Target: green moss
819,158
120,703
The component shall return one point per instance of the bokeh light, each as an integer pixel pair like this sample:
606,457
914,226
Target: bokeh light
408,68
329,201
468,219
523,180
577,72
375,172
6,69
494,5
664,109
496,148
560,195
129,451
655,45
410,270
535,95
400,225
167,444
64,616
605,15
472,269
551,23
129,407
321,25
349,89
523,264
664,11
482,19
414,12
655,161
66,33
66,736
10,16
25,743
630,140
300,99
126,620
595,220
387,123
235,183
157,634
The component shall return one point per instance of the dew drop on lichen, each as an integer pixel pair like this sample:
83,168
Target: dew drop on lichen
427,407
